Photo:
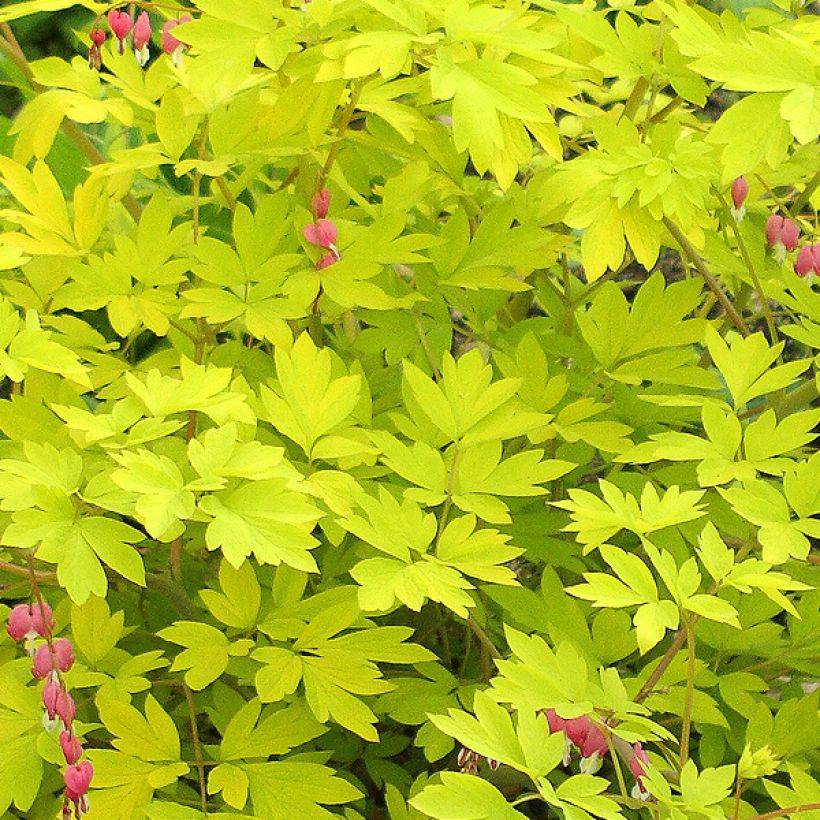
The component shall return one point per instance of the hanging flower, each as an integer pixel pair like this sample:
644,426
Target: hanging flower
740,190
320,204
72,748
142,36
782,234
120,24
97,37
637,765
323,233
170,45
77,781
29,622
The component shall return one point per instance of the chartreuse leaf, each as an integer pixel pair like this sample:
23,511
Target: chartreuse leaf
463,797
310,402
238,603
20,724
152,738
284,789
77,545
265,518
25,345
96,631
527,746
412,574
161,499
581,792
596,520
744,365
337,670
206,651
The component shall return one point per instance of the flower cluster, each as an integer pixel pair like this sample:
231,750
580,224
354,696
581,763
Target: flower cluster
322,232
122,24
586,735
28,622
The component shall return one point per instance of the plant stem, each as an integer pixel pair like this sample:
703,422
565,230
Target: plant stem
747,261
200,765
483,637
789,810
738,790
690,689
646,690
694,257
806,194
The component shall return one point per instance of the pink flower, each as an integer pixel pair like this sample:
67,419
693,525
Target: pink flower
323,233
782,234
594,742
320,204
142,36
78,779
468,760
142,30
65,707
97,36
42,618
804,263
327,260
50,695
740,190
556,722
30,621
120,23
170,44
19,623
637,765
72,748
63,658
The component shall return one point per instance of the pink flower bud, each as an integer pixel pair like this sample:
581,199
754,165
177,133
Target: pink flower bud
815,251
320,204
170,43
142,31
774,224
72,748
740,190
42,662
97,36
42,618
78,779
790,234
63,654
804,263
20,623
322,233
326,261
51,692
65,708
120,23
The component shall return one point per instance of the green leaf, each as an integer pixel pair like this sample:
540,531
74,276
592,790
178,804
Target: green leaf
152,738
463,797
95,631
238,604
206,651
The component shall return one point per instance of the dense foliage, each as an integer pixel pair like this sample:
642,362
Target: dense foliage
409,411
